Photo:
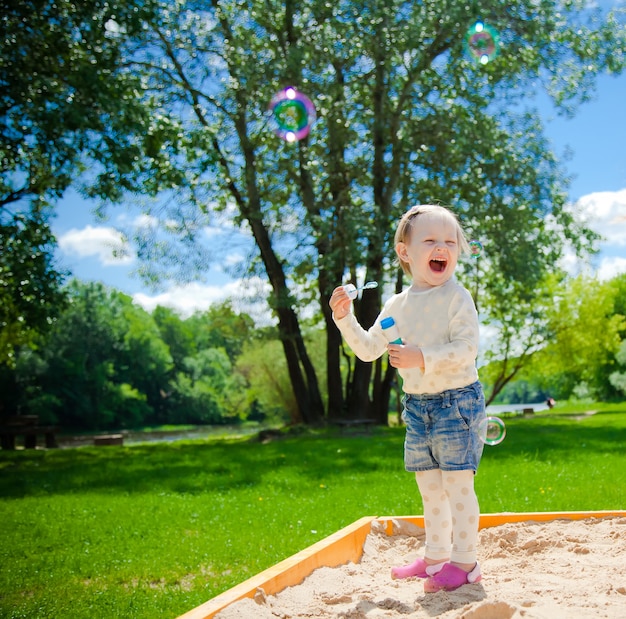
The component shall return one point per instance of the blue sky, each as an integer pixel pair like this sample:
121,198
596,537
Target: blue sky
595,136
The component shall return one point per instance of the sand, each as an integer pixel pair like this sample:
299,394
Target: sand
536,570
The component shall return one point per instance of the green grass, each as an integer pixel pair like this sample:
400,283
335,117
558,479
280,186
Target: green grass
153,530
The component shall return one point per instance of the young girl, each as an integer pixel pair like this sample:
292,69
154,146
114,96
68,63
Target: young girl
443,403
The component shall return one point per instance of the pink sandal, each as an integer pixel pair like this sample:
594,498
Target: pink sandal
418,568
450,577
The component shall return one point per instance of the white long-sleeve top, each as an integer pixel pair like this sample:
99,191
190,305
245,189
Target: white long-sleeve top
442,321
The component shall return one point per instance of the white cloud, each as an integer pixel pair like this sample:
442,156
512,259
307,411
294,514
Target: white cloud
570,262
234,259
605,212
145,221
247,296
184,299
130,219
611,267
107,244
211,232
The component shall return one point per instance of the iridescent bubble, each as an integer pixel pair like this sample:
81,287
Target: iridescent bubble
482,42
476,248
492,430
292,114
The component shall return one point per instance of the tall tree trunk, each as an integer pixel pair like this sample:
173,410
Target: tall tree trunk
369,306
331,247
301,370
333,354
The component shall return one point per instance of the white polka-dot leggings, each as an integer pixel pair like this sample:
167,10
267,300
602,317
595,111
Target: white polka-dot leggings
451,514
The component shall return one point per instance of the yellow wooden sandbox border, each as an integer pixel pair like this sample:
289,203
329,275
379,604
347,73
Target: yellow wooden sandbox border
345,546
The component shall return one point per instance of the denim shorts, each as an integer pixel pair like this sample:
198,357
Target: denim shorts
442,429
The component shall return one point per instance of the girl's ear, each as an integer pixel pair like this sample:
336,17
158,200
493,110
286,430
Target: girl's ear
401,252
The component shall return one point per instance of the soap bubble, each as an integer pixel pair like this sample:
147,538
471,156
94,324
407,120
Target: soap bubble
476,248
292,114
482,42
492,430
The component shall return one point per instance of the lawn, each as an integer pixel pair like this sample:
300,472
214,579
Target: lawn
153,530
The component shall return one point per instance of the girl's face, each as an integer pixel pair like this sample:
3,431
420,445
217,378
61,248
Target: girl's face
431,250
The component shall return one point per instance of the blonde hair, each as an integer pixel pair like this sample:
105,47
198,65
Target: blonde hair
408,222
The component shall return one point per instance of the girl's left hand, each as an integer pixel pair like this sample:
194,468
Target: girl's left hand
405,356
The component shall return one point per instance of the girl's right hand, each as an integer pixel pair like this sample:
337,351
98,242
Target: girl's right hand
340,303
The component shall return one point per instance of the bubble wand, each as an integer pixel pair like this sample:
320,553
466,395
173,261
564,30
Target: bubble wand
352,290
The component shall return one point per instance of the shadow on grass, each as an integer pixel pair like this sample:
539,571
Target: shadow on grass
197,467
194,467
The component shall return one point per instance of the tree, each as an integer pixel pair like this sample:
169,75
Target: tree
104,364
264,368
65,93
618,377
143,361
208,391
176,333
583,337
221,327
267,375
31,296
30,286
404,116
80,355
523,330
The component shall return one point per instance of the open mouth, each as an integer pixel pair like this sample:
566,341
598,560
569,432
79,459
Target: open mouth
438,265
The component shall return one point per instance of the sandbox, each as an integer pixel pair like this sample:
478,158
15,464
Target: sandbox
536,565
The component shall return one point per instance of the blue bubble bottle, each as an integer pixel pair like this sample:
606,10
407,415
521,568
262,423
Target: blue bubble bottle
391,330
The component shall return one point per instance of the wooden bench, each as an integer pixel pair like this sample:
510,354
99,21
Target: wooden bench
346,424
108,439
28,427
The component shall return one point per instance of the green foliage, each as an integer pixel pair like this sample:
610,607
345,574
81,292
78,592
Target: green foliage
522,328
403,116
585,336
170,100
176,334
208,391
221,327
65,93
107,363
157,529
30,286
80,356
264,367
619,284
618,378
523,391
143,360
577,349
128,405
